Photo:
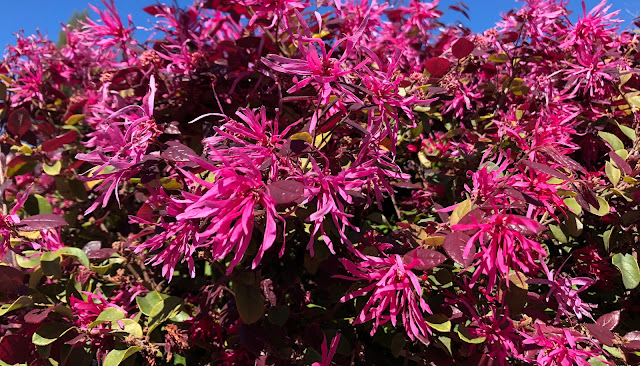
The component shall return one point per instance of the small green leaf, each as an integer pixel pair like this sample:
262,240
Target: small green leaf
439,322
147,302
21,302
278,315
628,266
52,169
132,327
116,356
628,131
50,263
76,253
109,314
49,333
612,172
465,336
612,140
603,210
573,205
249,302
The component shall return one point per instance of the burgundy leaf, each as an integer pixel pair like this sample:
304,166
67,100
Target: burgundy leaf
454,244
102,253
59,141
462,47
508,37
41,222
19,122
36,316
153,10
11,281
586,195
602,334
564,160
177,152
285,191
620,162
609,321
14,349
437,66
545,169
632,340
523,197
428,259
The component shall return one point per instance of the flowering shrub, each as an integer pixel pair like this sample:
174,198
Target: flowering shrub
346,182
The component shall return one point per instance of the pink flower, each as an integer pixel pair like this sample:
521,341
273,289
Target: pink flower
561,347
327,356
503,246
87,311
566,290
8,222
396,292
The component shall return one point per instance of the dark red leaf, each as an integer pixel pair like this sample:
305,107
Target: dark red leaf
620,162
609,321
153,10
59,141
36,316
437,66
602,334
428,259
19,122
248,42
507,37
11,281
462,47
41,222
285,191
632,340
454,244
545,169
15,349
564,160
177,152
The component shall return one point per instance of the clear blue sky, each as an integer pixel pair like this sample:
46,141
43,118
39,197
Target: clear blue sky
47,14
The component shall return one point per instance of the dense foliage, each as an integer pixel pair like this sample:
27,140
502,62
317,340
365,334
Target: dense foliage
347,182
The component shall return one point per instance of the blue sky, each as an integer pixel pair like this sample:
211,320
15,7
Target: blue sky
47,14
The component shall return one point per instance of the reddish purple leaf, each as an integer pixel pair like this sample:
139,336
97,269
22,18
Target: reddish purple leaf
11,281
454,244
153,10
59,141
178,152
285,191
437,66
428,259
620,162
564,160
633,340
602,334
507,37
15,349
19,122
36,316
609,321
545,169
41,222
462,47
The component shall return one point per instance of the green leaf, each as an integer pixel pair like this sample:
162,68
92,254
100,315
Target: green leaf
460,211
612,172
30,259
167,308
573,205
628,266
44,206
603,210
439,322
612,140
76,253
116,356
20,302
628,131
52,169
147,302
50,263
49,333
558,233
132,327
109,314
465,336
249,302
278,315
